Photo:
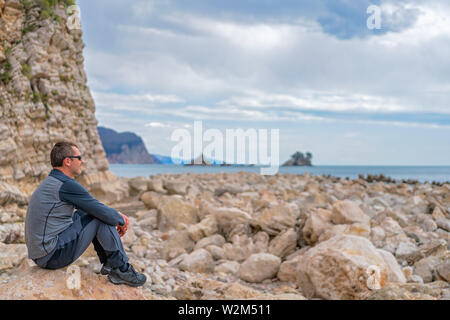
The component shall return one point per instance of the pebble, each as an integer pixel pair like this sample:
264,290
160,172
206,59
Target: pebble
163,290
443,224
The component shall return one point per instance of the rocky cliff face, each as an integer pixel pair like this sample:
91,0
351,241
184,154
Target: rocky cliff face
44,99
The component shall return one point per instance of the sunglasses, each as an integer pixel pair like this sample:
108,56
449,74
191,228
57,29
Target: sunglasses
78,157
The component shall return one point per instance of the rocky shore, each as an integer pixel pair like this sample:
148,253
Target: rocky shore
248,236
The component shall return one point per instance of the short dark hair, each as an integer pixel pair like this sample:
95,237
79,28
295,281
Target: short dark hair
60,151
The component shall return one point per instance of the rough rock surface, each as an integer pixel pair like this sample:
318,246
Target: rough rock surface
259,267
339,269
393,254
70,283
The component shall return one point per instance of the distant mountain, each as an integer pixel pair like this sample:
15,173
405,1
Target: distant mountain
124,147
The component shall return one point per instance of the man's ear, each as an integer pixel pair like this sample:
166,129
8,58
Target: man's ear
66,162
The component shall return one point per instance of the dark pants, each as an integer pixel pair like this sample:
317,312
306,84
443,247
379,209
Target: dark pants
85,230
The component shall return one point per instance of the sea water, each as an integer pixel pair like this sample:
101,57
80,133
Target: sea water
420,173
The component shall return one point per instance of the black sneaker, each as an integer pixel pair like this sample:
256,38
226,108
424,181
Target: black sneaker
130,277
105,270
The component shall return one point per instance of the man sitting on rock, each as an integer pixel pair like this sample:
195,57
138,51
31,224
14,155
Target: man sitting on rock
56,235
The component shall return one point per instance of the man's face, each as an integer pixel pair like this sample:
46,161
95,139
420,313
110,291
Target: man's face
75,163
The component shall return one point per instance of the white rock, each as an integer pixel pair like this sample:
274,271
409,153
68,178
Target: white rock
174,213
395,273
405,250
176,187
443,269
229,218
377,236
199,261
391,227
216,240
348,212
437,214
275,219
156,185
217,252
288,270
443,223
414,278
228,267
259,267
11,255
283,244
426,268
205,228
407,271
12,233
317,222
138,184
339,269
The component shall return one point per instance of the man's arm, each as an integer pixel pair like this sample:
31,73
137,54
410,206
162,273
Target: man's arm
74,193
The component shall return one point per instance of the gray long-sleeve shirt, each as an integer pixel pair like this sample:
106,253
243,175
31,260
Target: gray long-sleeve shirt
51,208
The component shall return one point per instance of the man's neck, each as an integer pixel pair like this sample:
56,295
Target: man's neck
65,171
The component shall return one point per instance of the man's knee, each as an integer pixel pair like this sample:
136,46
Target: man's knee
86,218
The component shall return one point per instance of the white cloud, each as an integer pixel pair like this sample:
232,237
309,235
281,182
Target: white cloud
433,22
314,100
254,36
156,125
133,102
199,67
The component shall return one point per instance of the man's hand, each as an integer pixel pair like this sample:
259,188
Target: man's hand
123,229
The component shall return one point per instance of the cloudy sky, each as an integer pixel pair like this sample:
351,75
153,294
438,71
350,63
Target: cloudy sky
347,93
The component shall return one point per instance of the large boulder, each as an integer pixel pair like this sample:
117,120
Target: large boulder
70,283
317,222
176,187
343,267
216,240
395,273
288,269
348,212
283,244
432,268
276,219
228,219
137,185
178,243
175,213
105,186
151,199
156,185
205,228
